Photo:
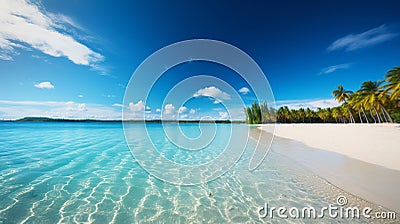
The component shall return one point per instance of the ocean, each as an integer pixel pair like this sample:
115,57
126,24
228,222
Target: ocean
66,172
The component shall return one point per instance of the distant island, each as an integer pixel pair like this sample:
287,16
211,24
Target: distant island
47,119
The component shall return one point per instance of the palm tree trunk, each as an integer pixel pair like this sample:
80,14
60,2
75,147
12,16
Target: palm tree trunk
383,114
370,111
387,114
351,115
377,115
359,114
366,118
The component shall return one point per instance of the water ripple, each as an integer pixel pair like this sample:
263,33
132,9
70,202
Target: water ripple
85,173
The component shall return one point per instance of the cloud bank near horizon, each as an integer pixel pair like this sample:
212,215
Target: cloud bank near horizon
313,104
10,110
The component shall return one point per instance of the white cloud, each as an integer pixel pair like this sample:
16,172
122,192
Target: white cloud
310,103
216,101
185,112
182,110
26,24
158,110
183,116
152,116
80,96
82,107
138,107
244,90
148,110
237,114
61,19
213,92
118,105
34,103
44,85
333,68
72,106
223,115
169,109
57,109
370,37
5,57
81,110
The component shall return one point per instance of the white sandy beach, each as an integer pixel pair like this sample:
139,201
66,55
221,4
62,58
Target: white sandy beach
362,159
372,143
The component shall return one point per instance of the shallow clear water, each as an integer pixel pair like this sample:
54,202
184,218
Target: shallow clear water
84,172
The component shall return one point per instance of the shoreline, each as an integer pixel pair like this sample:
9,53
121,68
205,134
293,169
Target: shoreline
375,183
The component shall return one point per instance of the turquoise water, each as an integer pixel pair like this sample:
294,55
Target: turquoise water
85,173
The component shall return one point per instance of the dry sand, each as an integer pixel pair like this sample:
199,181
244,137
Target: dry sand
360,159
372,143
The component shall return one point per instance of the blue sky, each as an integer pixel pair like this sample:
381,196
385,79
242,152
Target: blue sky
75,58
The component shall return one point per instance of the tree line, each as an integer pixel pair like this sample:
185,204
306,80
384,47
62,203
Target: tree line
375,102
260,113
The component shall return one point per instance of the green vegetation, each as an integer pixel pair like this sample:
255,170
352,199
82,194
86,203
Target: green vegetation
374,102
257,114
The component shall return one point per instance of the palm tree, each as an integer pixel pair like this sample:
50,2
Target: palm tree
266,113
345,113
293,116
373,99
309,114
256,111
285,114
302,114
249,115
393,86
342,95
356,102
336,114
